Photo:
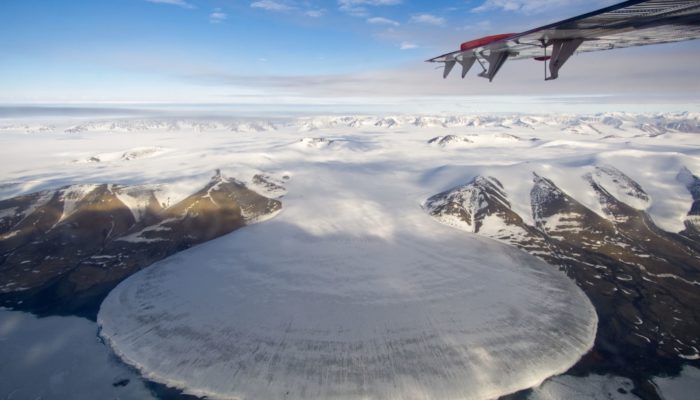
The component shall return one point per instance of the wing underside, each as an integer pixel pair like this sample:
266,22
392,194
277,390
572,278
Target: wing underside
628,24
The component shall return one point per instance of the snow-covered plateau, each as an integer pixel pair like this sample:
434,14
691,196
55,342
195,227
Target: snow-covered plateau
361,287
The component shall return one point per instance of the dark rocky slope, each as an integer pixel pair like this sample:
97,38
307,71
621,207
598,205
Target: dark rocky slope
63,250
643,281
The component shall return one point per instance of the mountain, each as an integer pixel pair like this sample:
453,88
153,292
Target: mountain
642,280
692,222
628,124
315,143
448,140
252,126
81,240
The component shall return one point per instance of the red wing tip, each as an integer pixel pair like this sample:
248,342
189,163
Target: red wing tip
483,41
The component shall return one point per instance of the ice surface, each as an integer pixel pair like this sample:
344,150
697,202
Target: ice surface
126,155
621,186
351,292
60,358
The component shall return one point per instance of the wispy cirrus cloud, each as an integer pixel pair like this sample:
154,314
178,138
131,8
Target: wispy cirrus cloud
271,5
358,8
481,25
408,45
289,6
382,21
428,19
179,3
217,16
534,6
314,13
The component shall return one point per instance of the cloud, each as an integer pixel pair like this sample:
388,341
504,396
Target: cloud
382,21
271,5
287,6
408,45
533,6
427,19
369,2
217,16
585,74
358,8
481,26
314,13
179,3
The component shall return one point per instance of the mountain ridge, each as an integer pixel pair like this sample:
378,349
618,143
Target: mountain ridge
81,240
642,280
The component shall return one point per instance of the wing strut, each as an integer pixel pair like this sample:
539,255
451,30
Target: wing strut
562,49
496,59
544,59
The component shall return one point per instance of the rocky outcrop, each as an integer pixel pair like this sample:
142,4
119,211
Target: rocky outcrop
692,222
449,140
62,250
643,281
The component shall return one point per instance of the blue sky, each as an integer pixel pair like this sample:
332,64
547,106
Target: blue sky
286,50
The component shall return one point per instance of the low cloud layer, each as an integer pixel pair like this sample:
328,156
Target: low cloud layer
610,72
537,6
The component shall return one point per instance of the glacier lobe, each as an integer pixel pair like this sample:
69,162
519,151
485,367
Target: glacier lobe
349,295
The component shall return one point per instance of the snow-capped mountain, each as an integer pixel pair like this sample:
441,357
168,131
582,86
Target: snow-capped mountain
692,222
643,280
449,140
611,124
268,185
252,126
315,143
128,155
74,243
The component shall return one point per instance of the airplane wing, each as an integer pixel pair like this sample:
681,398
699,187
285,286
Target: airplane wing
627,24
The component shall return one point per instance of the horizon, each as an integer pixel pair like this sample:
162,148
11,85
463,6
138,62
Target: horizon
463,105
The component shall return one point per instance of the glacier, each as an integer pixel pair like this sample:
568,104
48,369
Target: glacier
351,292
